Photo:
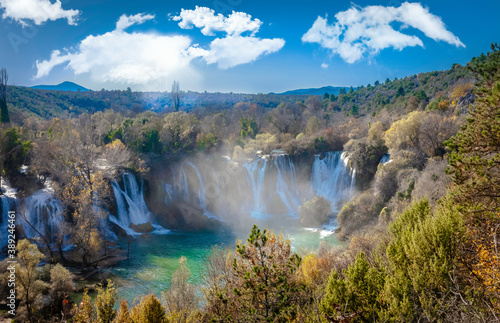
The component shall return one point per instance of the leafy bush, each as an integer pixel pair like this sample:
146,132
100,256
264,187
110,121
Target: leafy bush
314,212
411,277
260,282
105,302
148,310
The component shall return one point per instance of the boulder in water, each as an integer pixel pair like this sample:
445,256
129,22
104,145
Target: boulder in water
142,228
118,230
315,212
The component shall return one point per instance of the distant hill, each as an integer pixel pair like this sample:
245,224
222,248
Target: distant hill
64,86
315,91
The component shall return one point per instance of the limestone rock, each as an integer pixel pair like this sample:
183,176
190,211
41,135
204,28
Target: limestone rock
142,228
315,212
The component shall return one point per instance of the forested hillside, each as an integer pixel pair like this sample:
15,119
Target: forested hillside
26,102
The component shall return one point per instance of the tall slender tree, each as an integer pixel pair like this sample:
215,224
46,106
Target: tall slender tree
175,95
4,111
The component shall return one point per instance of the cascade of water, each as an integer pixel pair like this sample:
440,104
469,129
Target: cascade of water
7,204
353,183
168,193
130,202
202,195
331,178
131,206
263,187
182,184
385,159
43,212
345,158
7,190
8,201
286,175
256,171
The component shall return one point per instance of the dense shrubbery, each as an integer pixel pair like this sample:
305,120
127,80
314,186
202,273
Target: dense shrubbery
441,264
408,277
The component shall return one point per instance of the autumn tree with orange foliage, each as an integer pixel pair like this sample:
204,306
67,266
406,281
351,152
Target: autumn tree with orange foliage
487,265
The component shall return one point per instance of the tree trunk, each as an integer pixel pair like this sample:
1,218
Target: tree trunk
61,253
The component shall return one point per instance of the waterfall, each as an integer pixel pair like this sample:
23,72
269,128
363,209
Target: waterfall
353,183
201,194
7,203
272,182
345,158
168,193
260,188
44,214
332,178
39,214
184,187
286,184
41,210
7,190
254,188
131,206
385,159
130,203
256,171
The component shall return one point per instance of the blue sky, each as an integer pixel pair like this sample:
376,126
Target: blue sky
265,46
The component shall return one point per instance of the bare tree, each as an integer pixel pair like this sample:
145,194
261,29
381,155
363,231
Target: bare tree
4,113
286,118
80,166
175,95
181,300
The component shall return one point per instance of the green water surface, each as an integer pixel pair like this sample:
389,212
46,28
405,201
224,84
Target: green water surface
154,258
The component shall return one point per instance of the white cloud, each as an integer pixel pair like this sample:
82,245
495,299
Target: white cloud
38,11
368,30
324,66
236,50
206,19
44,67
130,58
126,21
140,58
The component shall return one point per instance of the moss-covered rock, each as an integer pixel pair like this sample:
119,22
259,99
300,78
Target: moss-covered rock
315,212
142,228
